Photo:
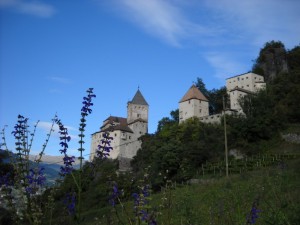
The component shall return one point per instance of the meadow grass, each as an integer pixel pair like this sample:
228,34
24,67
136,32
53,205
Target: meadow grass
222,201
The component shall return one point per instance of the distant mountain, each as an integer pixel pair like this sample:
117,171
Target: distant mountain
52,165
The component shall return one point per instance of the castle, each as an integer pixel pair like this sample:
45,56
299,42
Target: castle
195,104
126,131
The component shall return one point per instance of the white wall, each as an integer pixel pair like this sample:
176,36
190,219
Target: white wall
192,108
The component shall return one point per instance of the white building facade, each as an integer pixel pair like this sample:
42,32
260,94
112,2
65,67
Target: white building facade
241,85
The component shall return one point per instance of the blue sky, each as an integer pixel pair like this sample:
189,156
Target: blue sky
51,52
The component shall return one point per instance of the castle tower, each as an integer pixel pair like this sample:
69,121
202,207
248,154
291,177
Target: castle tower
193,104
137,109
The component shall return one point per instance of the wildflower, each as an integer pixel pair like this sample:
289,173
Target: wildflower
68,162
87,103
35,179
253,215
104,148
85,111
70,202
115,195
6,180
65,138
20,127
140,205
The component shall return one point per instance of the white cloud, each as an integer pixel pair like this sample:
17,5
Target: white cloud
224,64
46,126
225,30
61,80
35,8
258,21
216,22
162,19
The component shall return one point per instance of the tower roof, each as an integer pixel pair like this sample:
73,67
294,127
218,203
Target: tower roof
193,93
138,99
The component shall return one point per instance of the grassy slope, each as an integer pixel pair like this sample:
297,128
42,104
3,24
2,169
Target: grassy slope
226,200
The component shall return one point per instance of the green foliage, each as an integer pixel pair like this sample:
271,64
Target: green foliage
215,97
272,60
179,150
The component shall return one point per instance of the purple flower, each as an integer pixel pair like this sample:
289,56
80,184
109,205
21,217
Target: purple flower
20,127
65,138
253,215
6,180
141,199
114,196
104,148
68,165
85,111
70,202
35,180
87,103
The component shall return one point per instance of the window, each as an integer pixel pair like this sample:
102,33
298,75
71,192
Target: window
138,115
189,101
246,77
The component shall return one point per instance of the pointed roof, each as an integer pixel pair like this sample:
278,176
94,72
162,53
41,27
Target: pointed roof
193,93
138,99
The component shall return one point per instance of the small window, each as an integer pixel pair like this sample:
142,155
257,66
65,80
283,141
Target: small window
246,77
115,134
189,101
129,137
138,115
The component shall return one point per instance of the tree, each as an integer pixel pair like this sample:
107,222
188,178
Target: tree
272,60
216,100
201,86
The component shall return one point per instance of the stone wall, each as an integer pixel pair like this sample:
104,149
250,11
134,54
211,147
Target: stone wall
292,138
